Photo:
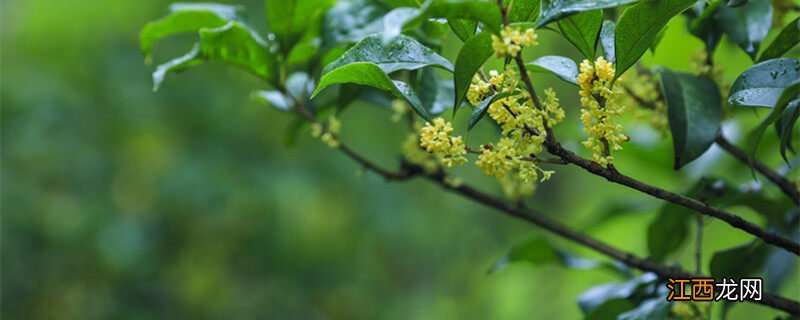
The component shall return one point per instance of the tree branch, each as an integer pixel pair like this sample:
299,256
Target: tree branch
615,176
611,174
664,272
784,184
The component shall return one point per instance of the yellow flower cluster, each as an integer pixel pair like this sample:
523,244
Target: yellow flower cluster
327,136
600,109
511,41
436,138
517,116
497,82
414,154
651,108
524,130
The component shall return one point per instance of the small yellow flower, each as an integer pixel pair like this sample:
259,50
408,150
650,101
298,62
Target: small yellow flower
511,41
435,138
600,109
330,140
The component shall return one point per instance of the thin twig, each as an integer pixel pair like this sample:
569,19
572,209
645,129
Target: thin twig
615,176
664,272
784,184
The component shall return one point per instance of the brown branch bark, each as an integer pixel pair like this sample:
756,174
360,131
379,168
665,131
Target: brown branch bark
664,272
735,221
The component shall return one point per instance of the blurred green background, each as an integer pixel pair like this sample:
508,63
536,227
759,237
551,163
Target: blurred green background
122,203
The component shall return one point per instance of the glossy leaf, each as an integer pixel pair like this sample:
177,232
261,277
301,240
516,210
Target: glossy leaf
762,84
607,40
582,29
395,21
435,93
639,26
596,296
402,53
370,74
746,25
485,11
694,112
706,28
351,21
790,98
185,17
235,44
523,10
288,19
473,54
564,68
786,40
785,127
558,9
463,28
481,108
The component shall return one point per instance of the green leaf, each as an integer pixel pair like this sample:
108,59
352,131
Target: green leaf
485,11
273,98
564,68
523,10
746,25
786,40
694,111
185,17
402,53
706,28
639,26
790,98
536,251
762,84
651,309
657,40
539,251
582,30
596,296
558,9
785,128
473,54
739,261
481,108
607,40
669,231
234,44
463,28
351,21
289,19
610,309
370,74
395,21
